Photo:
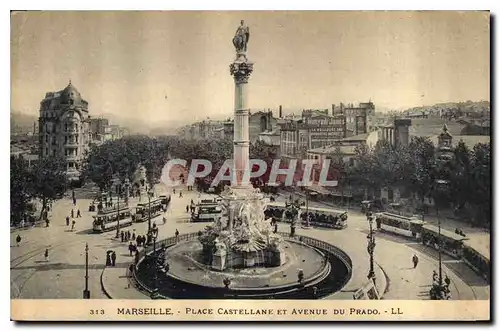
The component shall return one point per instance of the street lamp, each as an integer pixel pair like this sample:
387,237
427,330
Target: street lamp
118,213
86,292
154,233
150,192
371,245
439,186
127,190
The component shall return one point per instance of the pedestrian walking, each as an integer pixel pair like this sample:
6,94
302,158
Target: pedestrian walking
122,236
174,190
47,222
18,240
435,276
447,280
46,255
67,220
78,214
187,209
180,194
130,248
73,225
113,258
176,234
415,260
133,234
72,213
164,220
129,235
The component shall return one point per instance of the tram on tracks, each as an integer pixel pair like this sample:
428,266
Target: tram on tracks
402,225
108,219
451,243
320,217
148,209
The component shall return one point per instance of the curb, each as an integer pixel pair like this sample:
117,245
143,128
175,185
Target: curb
102,285
387,282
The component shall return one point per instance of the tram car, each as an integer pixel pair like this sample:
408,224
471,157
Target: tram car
476,261
406,226
451,243
205,212
320,217
152,208
165,201
325,217
108,219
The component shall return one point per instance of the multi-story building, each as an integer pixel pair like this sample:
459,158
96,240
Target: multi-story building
396,132
64,128
97,128
357,117
315,129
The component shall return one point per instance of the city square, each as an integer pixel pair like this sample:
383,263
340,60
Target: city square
376,208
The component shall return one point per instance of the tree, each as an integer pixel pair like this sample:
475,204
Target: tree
20,188
98,166
481,183
421,167
48,180
460,176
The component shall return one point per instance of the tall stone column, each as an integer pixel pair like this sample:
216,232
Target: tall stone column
241,69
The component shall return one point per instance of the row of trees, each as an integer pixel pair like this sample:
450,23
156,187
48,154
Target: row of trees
45,181
418,166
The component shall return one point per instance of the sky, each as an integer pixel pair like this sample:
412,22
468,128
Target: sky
165,67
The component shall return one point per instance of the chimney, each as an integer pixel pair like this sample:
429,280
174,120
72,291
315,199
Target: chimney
333,109
281,112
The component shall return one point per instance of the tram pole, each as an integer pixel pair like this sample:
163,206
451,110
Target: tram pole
149,210
86,292
118,214
371,246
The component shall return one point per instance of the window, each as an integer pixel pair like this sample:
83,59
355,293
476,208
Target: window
46,151
46,139
54,152
65,139
351,161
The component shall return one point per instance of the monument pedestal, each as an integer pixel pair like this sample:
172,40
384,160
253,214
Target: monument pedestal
219,261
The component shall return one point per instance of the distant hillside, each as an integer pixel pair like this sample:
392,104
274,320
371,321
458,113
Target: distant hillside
21,123
468,106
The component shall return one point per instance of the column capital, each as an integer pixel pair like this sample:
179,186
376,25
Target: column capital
241,71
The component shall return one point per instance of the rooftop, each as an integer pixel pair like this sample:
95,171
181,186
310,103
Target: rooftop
326,150
470,141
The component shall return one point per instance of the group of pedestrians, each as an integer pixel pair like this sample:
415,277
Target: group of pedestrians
127,235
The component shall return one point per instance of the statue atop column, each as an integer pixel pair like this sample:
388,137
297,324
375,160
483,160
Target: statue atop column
241,38
241,68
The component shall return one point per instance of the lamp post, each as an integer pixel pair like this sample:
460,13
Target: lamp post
118,213
440,184
154,233
127,190
149,209
371,246
86,292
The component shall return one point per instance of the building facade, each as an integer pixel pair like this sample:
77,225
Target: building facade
64,128
315,129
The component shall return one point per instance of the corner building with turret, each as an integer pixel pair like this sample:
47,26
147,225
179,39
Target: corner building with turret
64,128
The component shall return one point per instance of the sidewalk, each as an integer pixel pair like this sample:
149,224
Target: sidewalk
116,285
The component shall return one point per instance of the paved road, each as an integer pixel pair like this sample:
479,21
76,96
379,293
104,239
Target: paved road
63,275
